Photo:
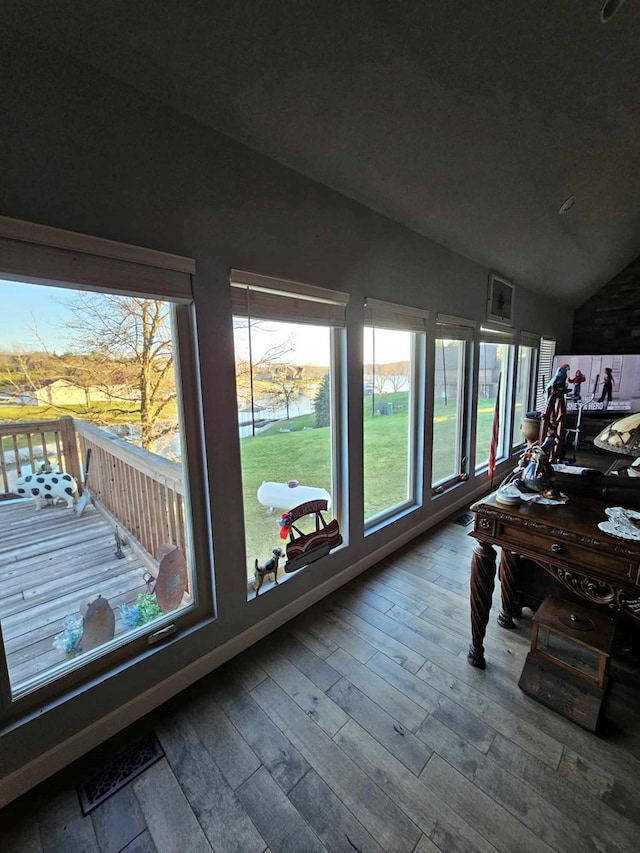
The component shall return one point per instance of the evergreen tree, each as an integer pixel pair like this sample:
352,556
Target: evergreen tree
322,403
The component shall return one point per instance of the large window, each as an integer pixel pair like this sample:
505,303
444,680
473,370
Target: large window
525,379
392,358
287,343
495,371
450,392
97,554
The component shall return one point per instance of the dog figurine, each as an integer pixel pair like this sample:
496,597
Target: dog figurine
48,486
268,568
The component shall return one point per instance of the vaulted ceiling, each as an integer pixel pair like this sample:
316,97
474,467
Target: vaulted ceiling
469,122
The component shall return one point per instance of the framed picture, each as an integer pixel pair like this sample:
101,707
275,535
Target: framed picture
500,300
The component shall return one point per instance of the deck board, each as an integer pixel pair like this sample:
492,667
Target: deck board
50,561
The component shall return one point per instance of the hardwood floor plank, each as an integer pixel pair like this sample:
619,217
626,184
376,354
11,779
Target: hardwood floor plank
170,819
220,813
613,833
423,806
63,826
334,824
23,837
543,818
425,845
277,819
274,750
309,664
142,844
380,640
403,709
416,689
465,724
384,820
326,627
397,740
321,648
222,740
304,693
382,590
612,790
489,819
396,619
495,715
118,821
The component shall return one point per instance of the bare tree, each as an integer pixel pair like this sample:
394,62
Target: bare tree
130,344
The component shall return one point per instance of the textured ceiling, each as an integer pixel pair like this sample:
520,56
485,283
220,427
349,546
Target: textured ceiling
469,122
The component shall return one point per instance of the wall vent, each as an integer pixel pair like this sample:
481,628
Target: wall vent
119,772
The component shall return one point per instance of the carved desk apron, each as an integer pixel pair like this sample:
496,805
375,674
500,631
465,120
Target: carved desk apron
565,541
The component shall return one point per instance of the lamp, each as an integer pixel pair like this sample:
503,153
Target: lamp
621,436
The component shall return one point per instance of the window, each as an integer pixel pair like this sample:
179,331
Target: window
525,383
97,487
495,371
393,356
288,338
453,338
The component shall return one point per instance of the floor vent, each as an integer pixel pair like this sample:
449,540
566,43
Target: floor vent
95,790
464,519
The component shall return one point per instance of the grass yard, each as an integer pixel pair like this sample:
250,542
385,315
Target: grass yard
304,455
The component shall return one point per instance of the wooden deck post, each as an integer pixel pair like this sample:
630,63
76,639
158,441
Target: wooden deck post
70,449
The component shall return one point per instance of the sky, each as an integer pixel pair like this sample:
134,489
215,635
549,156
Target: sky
25,308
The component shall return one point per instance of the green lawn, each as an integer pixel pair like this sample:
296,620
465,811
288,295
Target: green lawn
304,455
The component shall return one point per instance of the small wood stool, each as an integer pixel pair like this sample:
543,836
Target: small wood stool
566,669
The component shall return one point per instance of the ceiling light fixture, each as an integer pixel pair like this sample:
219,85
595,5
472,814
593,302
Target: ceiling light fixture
609,9
567,204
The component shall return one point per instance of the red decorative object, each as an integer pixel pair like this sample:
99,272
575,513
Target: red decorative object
307,547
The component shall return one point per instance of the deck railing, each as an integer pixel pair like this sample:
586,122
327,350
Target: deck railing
140,491
25,446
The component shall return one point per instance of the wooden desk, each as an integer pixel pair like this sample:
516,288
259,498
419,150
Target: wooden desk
565,541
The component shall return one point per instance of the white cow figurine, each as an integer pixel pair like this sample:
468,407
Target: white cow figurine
48,486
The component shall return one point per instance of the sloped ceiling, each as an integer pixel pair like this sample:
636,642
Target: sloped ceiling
469,122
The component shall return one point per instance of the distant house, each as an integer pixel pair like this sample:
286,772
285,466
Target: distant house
62,392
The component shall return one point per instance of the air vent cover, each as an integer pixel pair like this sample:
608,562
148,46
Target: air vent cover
98,788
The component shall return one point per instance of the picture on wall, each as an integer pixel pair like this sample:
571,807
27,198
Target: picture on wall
500,300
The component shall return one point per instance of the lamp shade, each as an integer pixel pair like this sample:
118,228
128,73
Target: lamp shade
621,436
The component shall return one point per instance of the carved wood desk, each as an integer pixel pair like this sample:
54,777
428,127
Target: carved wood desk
565,541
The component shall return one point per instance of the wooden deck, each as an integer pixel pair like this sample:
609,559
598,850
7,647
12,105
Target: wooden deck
49,562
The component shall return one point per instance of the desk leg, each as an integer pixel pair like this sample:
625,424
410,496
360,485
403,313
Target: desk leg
509,563
483,575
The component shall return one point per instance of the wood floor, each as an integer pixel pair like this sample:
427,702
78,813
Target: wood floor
50,561
360,726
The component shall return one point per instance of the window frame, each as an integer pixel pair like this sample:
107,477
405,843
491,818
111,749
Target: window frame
38,254
460,329
390,316
499,336
531,342
256,296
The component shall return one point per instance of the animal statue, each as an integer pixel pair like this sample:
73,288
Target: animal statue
558,382
268,568
48,486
